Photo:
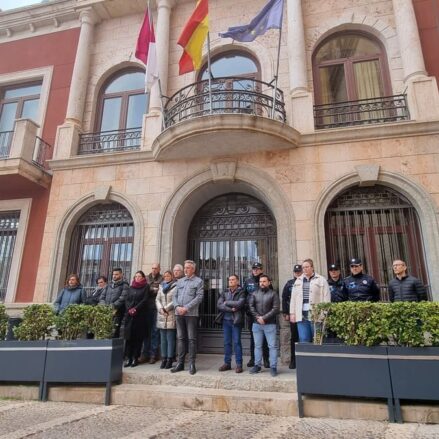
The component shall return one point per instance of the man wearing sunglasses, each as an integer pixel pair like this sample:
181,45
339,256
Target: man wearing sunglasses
361,287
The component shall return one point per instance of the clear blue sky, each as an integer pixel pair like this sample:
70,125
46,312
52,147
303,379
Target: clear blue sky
11,4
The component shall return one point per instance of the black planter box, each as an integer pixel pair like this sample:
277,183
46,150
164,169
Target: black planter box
84,361
341,370
415,374
23,361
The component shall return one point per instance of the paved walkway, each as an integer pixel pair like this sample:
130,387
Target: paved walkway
53,420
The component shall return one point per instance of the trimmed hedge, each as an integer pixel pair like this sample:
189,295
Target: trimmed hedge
408,324
3,322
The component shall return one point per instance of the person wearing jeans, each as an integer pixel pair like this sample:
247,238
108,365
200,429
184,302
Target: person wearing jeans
264,306
188,295
230,305
309,289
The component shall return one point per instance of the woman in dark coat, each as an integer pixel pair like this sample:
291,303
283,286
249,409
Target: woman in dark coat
72,293
135,318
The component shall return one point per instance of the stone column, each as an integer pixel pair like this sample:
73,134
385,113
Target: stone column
408,37
78,86
153,120
302,118
422,91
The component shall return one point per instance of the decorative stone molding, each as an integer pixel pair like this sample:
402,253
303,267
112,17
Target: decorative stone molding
102,193
58,263
223,170
368,174
418,197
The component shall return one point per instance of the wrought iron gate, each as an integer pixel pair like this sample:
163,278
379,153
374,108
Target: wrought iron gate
378,225
227,235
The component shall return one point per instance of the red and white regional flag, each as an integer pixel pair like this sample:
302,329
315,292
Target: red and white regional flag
146,52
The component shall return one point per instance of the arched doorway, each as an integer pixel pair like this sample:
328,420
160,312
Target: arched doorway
101,240
227,235
378,225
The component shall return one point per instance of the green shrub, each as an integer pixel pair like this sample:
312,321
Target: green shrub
370,324
3,322
78,320
37,323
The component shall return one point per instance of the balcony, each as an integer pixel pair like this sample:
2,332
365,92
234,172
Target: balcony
224,116
25,154
110,141
388,109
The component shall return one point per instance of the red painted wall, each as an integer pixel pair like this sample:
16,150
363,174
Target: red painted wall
427,16
58,50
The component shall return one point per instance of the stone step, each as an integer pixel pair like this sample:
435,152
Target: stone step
229,380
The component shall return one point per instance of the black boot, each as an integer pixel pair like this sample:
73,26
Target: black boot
163,363
128,363
168,364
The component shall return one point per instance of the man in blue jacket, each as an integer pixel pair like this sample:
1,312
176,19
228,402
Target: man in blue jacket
361,287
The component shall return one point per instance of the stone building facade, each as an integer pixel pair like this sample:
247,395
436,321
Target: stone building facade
347,167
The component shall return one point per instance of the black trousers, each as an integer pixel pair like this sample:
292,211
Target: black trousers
293,340
186,337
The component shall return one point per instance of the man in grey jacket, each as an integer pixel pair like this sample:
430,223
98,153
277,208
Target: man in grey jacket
264,306
188,295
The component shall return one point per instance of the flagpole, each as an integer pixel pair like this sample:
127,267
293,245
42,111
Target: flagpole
209,71
277,66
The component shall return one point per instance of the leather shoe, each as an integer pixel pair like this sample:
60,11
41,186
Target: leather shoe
238,369
192,369
177,368
163,363
292,365
168,364
251,363
128,363
225,367
135,363
152,360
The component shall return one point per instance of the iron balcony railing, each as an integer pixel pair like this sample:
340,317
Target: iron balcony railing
5,143
228,95
362,112
110,141
41,153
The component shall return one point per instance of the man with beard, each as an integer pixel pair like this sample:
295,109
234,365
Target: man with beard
265,306
251,284
114,296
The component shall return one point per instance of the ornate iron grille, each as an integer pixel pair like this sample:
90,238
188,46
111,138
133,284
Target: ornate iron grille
377,225
228,95
362,112
42,153
5,143
110,141
9,222
101,241
227,235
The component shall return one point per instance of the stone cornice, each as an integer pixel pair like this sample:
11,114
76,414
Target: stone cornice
94,160
297,140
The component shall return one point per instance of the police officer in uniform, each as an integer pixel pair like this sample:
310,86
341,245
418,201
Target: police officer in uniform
336,284
251,284
361,287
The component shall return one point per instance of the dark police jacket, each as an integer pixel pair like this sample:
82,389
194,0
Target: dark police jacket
338,290
286,296
408,289
362,288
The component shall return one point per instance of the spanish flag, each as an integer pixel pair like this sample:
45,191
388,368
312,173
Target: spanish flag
192,38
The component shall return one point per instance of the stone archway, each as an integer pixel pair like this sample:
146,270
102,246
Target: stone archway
416,195
58,264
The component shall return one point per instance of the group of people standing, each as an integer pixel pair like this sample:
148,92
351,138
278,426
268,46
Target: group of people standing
163,310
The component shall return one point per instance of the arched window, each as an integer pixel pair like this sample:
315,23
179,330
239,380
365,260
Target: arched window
378,225
121,105
349,67
352,84
102,240
232,71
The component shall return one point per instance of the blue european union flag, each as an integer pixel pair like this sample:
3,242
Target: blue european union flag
270,17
